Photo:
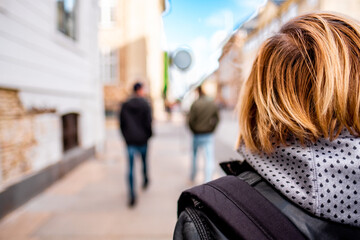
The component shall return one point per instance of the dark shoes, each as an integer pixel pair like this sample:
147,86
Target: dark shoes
145,184
132,202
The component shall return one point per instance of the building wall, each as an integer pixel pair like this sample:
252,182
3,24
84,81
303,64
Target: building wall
348,7
284,13
136,35
229,72
49,70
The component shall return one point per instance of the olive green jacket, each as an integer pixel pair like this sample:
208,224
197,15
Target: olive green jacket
203,116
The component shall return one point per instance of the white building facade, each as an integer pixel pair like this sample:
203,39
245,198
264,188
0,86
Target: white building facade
51,102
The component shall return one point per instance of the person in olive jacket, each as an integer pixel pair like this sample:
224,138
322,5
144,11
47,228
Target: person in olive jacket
135,124
203,119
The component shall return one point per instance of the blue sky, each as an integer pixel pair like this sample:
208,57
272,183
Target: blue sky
187,19
202,26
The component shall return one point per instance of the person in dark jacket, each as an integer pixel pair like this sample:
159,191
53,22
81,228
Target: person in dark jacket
203,119
135,124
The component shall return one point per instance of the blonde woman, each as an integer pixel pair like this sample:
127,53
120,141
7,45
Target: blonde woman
300,115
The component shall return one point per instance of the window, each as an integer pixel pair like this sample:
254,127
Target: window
108,13
66,17
109,61
70,131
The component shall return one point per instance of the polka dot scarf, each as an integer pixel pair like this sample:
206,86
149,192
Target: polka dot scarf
323,178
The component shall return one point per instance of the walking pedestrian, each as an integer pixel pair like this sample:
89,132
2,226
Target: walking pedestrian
203,119
135,123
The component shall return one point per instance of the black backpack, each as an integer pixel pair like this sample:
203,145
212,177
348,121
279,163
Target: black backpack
245,206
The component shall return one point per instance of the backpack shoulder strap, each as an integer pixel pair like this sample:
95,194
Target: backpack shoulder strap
239,210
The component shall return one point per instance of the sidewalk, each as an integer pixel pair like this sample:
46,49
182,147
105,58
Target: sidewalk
91,201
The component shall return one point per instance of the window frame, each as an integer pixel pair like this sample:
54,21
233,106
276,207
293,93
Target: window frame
74,36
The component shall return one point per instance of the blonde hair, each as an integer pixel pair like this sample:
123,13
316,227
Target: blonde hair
304,83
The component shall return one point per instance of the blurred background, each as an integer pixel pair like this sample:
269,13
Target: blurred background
65,68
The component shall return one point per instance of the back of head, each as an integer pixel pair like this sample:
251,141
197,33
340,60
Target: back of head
304,83
137,86
200,91
139,89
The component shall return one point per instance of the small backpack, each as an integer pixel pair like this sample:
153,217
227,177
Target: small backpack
245,206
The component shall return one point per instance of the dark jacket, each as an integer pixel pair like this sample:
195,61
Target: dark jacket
135,121
203,116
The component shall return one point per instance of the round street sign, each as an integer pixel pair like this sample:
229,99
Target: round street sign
182,59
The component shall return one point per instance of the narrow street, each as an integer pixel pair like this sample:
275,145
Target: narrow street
91,201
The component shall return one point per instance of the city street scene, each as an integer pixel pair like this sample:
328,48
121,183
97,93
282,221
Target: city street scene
110,109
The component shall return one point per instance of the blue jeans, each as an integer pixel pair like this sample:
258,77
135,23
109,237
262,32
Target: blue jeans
205,141
132,150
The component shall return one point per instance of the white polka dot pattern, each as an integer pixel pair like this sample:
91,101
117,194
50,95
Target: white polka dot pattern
323,178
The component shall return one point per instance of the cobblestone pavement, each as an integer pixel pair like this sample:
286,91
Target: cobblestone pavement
91,201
